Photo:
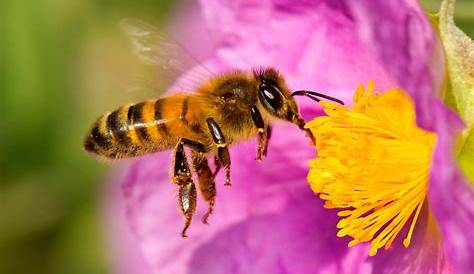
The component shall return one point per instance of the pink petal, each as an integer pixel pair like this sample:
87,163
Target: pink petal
269,221
401,38
313,43
124,252
424,255
262,224
451,196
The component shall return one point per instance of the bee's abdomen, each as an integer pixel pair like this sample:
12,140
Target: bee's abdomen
131,130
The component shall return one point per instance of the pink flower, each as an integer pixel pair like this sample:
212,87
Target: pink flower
270,221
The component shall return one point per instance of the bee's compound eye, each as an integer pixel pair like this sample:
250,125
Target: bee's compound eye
271,95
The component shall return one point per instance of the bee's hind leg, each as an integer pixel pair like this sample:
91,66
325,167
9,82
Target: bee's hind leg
187,190
207,185
223,155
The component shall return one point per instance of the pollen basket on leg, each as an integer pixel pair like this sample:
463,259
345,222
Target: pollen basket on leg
373,163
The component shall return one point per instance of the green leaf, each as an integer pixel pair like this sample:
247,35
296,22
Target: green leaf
459,52
465,157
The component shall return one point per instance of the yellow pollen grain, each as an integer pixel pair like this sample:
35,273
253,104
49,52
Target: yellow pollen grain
373,163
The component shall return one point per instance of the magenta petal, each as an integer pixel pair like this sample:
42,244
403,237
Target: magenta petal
400,36
419,68
313,43
424,255
124,251
451,196
267,222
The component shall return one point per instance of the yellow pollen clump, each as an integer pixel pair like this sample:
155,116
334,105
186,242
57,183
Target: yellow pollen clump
373,162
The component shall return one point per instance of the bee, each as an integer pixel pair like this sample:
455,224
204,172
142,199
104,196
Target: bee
226,109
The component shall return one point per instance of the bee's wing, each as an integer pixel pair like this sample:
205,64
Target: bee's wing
156,48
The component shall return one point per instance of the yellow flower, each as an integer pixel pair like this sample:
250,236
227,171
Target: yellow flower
373,163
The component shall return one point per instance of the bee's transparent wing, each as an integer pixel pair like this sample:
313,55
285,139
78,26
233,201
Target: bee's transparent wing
150,44
154,47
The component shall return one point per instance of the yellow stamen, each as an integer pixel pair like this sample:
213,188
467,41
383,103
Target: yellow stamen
373,162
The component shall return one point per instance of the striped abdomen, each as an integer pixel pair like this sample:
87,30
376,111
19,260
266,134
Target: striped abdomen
138,129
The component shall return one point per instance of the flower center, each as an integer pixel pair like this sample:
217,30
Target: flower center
373,162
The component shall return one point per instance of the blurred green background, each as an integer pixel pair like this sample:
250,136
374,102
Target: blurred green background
61,64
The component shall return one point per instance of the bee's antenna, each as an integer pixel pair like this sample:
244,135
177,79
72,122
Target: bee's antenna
314,96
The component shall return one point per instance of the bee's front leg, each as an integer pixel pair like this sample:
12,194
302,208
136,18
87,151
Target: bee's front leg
217,165
266,140
187,190
223,155
263,134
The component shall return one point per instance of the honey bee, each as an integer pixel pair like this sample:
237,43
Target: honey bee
225,109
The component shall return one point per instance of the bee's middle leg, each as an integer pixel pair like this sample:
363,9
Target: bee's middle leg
223,155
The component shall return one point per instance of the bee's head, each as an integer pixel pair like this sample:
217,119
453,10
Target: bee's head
277,98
